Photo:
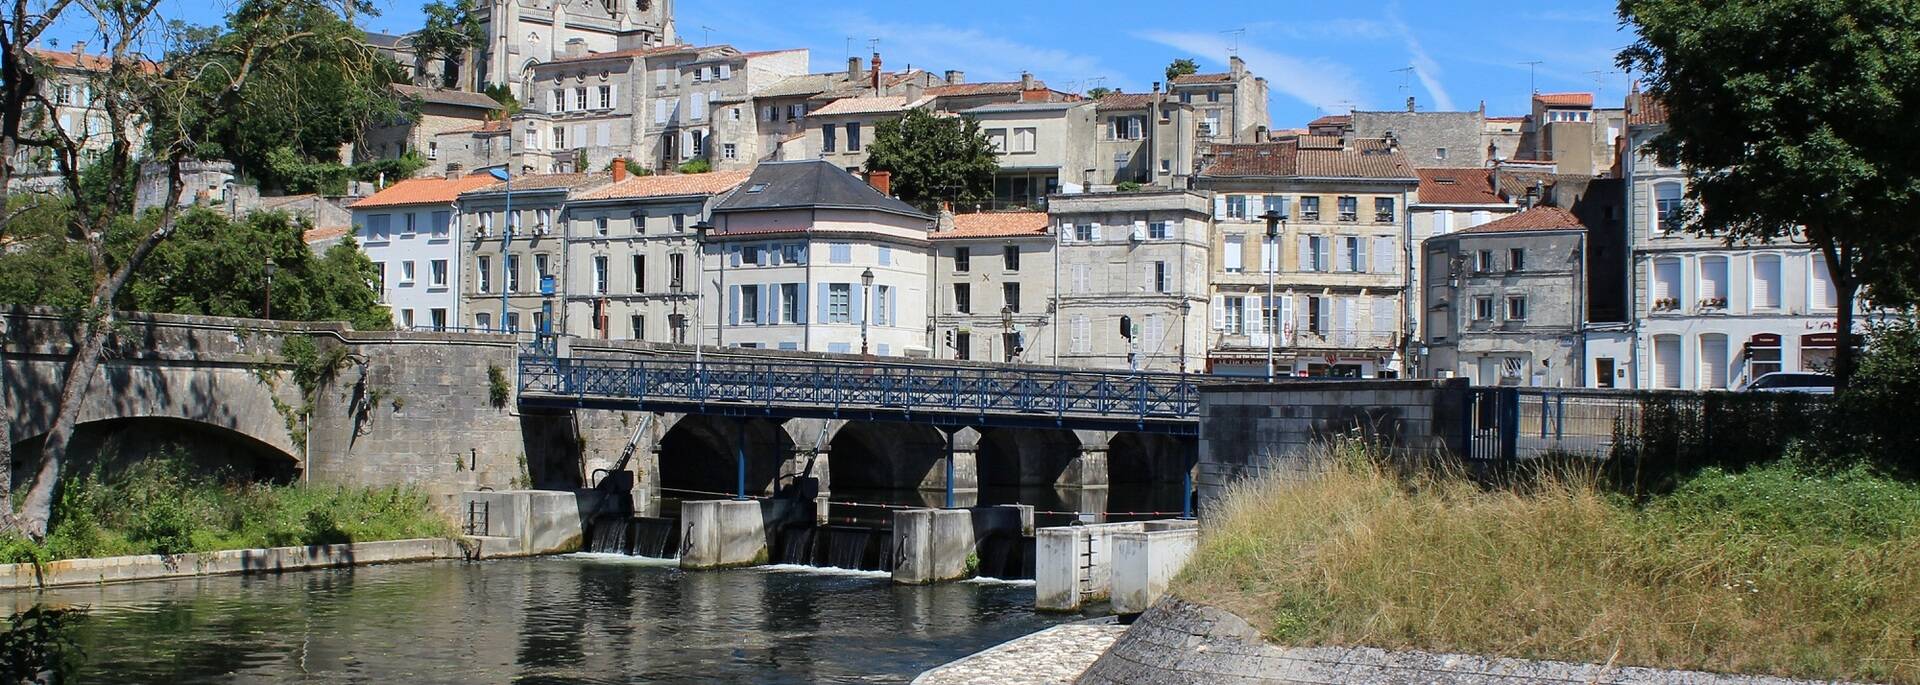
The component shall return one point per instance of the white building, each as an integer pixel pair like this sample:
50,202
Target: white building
409,233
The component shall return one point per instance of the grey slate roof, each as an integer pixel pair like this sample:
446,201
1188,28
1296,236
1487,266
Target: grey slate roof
808,184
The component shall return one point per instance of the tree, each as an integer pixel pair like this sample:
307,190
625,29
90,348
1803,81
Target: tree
450,33
1794,118
509,105
177,104
1098,92
1181,67
934,159
217,267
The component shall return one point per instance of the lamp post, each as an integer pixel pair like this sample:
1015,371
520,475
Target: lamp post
1006,332
866,289
270,265
1270,261
700,230
506,241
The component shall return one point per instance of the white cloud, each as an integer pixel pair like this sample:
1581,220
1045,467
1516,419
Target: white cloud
1326,85
1427,70
984,56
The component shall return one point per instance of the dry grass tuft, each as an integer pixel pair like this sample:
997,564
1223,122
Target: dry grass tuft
1775,570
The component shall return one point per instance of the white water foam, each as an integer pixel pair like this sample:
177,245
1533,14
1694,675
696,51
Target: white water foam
826,570
622,559
984,580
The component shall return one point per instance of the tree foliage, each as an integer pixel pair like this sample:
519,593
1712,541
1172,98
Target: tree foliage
934,159
1181,67
450,32
1793,118
1098,92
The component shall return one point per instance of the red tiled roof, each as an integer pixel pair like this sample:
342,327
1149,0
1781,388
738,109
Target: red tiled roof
1458,187
492,126
67,59
1253,159
670,185
1311,157
1332,120
996,225
423,191
1221,77
1646,110
317,235
983,88
1542,218
863,105
543,182
1564,99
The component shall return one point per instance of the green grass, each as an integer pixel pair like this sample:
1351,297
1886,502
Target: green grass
161,506
1780,569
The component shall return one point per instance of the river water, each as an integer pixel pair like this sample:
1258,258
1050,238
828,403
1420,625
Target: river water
572,619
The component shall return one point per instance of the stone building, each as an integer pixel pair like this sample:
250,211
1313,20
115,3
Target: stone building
1044,147
1232,105
993,285
1504,300
1449,200
789,255
441,112
1145,139
1567,130
632,253
1430,139
77,112
409,233
510,253
1338,265
520,34
839,131
1139,255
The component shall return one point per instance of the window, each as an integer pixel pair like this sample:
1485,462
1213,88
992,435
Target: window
1516,259
1232,308
1083,233
543,218
637,327
442,224
839,302
1480,216
1349,208
1667,198
606,102
853,137
1483,262
1383,210
513,273
1713,283
559,138
513,322
1025,140
379,226
885,256
639,273
483,273
1010,255
962,345
749,305
1236,206
540,266
1482,308
483,321
433,150
437,273
827,137
1010,296
1231,255
752,254
1516,308
1316,315
486,223
556,100
962,259
1356,255
882,305
1159,277
1766,282
796,111
962,298
1310,208
1666,285
1157,230
1821,293
1269,255
406,318
1713,361
438,317
789,303
600,226
1442,221
679,222
793,253
840,253
676,270
600,275
998,138
1439,153
729,151
406,272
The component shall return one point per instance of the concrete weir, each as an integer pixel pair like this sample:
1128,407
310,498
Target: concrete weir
1077,565
934,545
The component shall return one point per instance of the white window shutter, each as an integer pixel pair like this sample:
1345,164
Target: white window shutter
1305,255
1286,320
1360,262
1140,230
1066,232
1219,206
1219,312
613,96
1339,254
1349,313
1383,254
1383,315
1096,231
1231,255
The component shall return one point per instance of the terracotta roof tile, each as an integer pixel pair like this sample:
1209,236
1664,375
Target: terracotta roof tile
423,191
996,225
1458,187
982,88
863,105
1311,157
66,59
670,185
492,126
1253,159
318,235
1124,101
1564,99
1331,120
1646,110
544,182
1184,79
1542,218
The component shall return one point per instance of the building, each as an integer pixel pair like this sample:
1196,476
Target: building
1567,130
1430,139
1708,315
631,246
1141,256
440,112
1505,300
1044,147
520,34
1449,200
1232,105
77,112
514,239
839,131
1144,139
409,233
805,256
993,284
1338,264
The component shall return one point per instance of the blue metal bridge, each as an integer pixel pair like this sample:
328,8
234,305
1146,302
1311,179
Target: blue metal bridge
919,392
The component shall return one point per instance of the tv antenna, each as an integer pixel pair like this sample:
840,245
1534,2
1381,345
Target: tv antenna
1406,78
1237,34
1531,88
873,45
706,35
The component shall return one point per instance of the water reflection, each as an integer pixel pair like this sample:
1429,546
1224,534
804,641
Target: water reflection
553,620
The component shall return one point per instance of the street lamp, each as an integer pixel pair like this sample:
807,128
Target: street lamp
1006,331
700,230
269,314
1270,261
866,289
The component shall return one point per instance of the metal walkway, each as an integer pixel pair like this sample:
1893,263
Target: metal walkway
928,393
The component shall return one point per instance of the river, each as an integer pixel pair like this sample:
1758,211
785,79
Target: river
570,619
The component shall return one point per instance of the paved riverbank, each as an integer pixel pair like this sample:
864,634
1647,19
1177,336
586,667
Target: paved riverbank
1054,656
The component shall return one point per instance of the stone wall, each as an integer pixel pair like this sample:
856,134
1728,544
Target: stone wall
1251,429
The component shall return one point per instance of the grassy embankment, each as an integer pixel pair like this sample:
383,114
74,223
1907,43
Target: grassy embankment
162,506
1779,569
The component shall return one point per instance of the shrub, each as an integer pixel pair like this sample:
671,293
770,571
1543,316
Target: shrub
696,166
498,391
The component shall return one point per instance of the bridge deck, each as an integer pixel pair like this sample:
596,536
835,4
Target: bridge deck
875,391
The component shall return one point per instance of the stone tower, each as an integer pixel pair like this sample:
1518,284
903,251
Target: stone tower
522,33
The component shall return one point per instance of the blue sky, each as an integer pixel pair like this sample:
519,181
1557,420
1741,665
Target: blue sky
1318,57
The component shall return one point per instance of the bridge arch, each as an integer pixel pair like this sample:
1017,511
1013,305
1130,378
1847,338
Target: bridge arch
886,456
697,456
1029,457
225,398
116,443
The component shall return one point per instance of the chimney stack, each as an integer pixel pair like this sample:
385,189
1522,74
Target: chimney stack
619,169
455,170
853,69
881,181
1237,66
1409,103
955,77
576,47
879,87
1026,81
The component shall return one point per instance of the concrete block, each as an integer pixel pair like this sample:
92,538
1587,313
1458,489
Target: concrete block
1073,564
931,545
723,534
1144,562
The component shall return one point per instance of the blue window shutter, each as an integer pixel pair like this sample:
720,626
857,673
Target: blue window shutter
802,254
789,346
893,308
885,350
822,304
770,294
733,255
733,306
800,307
859,301
761,257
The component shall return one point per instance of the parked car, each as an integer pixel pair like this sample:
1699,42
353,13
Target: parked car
1792,381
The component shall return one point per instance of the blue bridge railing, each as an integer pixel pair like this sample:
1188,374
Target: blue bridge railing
807,388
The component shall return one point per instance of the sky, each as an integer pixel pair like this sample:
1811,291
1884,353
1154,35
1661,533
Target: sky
1318,58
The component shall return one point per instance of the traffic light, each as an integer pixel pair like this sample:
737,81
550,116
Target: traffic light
1126,327
949,339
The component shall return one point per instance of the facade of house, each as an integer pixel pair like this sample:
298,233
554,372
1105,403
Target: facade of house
1138,255
509,253
1338,264
790,256
409,232
1232,105
1430,139
1145,139
1504,300
839,131
633,254
1044,147
76,112
992,286
1449,200
521,34
1569,131
441,112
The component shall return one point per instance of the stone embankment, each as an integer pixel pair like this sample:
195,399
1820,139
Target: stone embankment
71,572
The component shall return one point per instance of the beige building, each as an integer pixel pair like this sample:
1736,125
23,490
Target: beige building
1567,130
1139,255
1145,139
510,253
1232,105
631,252
993,287
1449,200
77,112
1044,147
522,34
839,131
441,113
1338,265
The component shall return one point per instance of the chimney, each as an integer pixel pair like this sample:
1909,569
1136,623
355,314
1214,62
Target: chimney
879,87
1410,103
881,181
955,77
914,91
576,47
1237,66
455,170
79,47
1026,81
1156,87
853,69
619,169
